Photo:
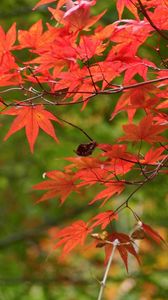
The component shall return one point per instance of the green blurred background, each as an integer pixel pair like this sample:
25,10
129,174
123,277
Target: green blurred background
29,269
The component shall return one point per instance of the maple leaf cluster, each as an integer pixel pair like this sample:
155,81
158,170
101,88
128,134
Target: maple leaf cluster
72,63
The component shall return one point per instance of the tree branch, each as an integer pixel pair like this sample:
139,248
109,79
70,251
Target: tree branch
103,282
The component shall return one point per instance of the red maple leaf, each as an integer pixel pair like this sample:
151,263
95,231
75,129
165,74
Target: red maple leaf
137,98
124,246
31,38
152,233
159,16
153,156
43,2
128,4
146,130
128,38
89,46
55,53
59,184
9,74
83,163
163,105
71,236
32,118
7,40
118,159
78,83
112,188
77,14
103,219
143,229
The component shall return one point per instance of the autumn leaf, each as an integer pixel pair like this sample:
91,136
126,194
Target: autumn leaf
153,156
103,219
128,38
59,184
137,98
71,236
126,3
143,230
7,40
9,70
152,233
91,176
103,33
43,2
32,118
163,105
103,72
78,13
57,53
32,37
75,15
111,189
89,47
125,246
146,131
83,163
77,81
12,79
119,160
160,17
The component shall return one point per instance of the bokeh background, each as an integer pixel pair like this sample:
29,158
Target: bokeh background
29,269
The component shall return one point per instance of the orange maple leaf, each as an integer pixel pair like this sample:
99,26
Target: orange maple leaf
32,118
71,236
59,184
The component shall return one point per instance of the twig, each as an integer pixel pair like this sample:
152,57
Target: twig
117,90
103,282
75,126
145,14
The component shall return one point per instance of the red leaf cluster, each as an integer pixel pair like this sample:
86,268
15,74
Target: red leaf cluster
78,60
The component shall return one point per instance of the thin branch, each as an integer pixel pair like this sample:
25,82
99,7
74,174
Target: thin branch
150,178
11,89
39,83
92,95
144,12
75,126
103,282
125,203
126,87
